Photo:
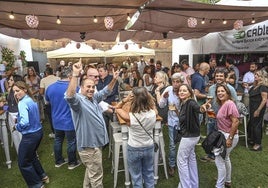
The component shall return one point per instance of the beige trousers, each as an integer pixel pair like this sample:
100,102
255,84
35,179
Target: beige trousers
92,159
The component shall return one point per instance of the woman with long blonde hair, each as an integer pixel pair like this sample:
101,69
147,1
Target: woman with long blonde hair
257,104
33,80
161,82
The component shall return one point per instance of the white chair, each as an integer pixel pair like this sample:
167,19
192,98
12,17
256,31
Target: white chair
162,153
244,133
114,127
117,144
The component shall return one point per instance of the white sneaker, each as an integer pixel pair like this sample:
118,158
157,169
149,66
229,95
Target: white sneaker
73,166
63,163
51,135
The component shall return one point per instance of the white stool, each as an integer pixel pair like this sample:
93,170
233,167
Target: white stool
114,127
117,143
245,129
162,153
4,138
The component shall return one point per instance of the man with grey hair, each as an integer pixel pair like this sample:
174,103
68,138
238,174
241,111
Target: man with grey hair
62,120
170,98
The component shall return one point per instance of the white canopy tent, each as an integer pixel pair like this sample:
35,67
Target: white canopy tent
71,50
132,49
250,3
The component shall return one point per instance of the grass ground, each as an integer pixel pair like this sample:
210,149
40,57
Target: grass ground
250,169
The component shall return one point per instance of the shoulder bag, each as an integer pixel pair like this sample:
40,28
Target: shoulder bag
155,144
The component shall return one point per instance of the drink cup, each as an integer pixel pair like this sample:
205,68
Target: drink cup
211,113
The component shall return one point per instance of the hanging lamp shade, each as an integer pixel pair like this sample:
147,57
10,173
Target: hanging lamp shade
238,24
192,22
32,21
108,22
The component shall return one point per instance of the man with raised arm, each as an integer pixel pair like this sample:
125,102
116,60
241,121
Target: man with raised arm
89,124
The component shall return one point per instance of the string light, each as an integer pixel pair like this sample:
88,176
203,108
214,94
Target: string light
128,17
11,16
95,20
203,21
58,20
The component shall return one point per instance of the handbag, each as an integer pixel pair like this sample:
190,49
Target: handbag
155,144
177,134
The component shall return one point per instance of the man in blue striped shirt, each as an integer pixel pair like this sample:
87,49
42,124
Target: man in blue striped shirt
89,124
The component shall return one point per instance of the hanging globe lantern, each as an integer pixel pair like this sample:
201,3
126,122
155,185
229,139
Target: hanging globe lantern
156,44
109,22
192,22
32,21
238,24
126,46
93,46
63,44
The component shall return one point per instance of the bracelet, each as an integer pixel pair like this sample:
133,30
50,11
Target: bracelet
75,75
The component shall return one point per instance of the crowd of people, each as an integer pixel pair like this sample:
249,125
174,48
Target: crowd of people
78,102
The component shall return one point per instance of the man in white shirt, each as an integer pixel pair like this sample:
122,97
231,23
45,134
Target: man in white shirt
248,78
49,79
141,64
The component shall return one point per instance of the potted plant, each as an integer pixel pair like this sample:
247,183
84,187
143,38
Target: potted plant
8,58
23,58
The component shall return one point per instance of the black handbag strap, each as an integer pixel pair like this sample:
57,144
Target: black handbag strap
143,127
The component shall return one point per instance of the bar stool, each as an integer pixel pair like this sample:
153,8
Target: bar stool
117,143
113,128
162,153
244,133
4,137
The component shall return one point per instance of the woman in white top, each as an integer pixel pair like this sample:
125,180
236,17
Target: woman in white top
140,151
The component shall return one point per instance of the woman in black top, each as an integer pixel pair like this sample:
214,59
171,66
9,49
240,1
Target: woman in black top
257,103
190,127
13,109
137,80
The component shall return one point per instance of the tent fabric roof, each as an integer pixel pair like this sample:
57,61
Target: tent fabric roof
71,50
85,50
156,18
133,50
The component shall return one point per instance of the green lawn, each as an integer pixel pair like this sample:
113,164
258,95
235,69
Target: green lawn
250,169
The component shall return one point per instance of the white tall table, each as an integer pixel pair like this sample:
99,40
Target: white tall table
4,137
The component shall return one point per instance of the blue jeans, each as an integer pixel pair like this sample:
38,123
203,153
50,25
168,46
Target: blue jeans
71,146
29,165
172,147
141,166
211,126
